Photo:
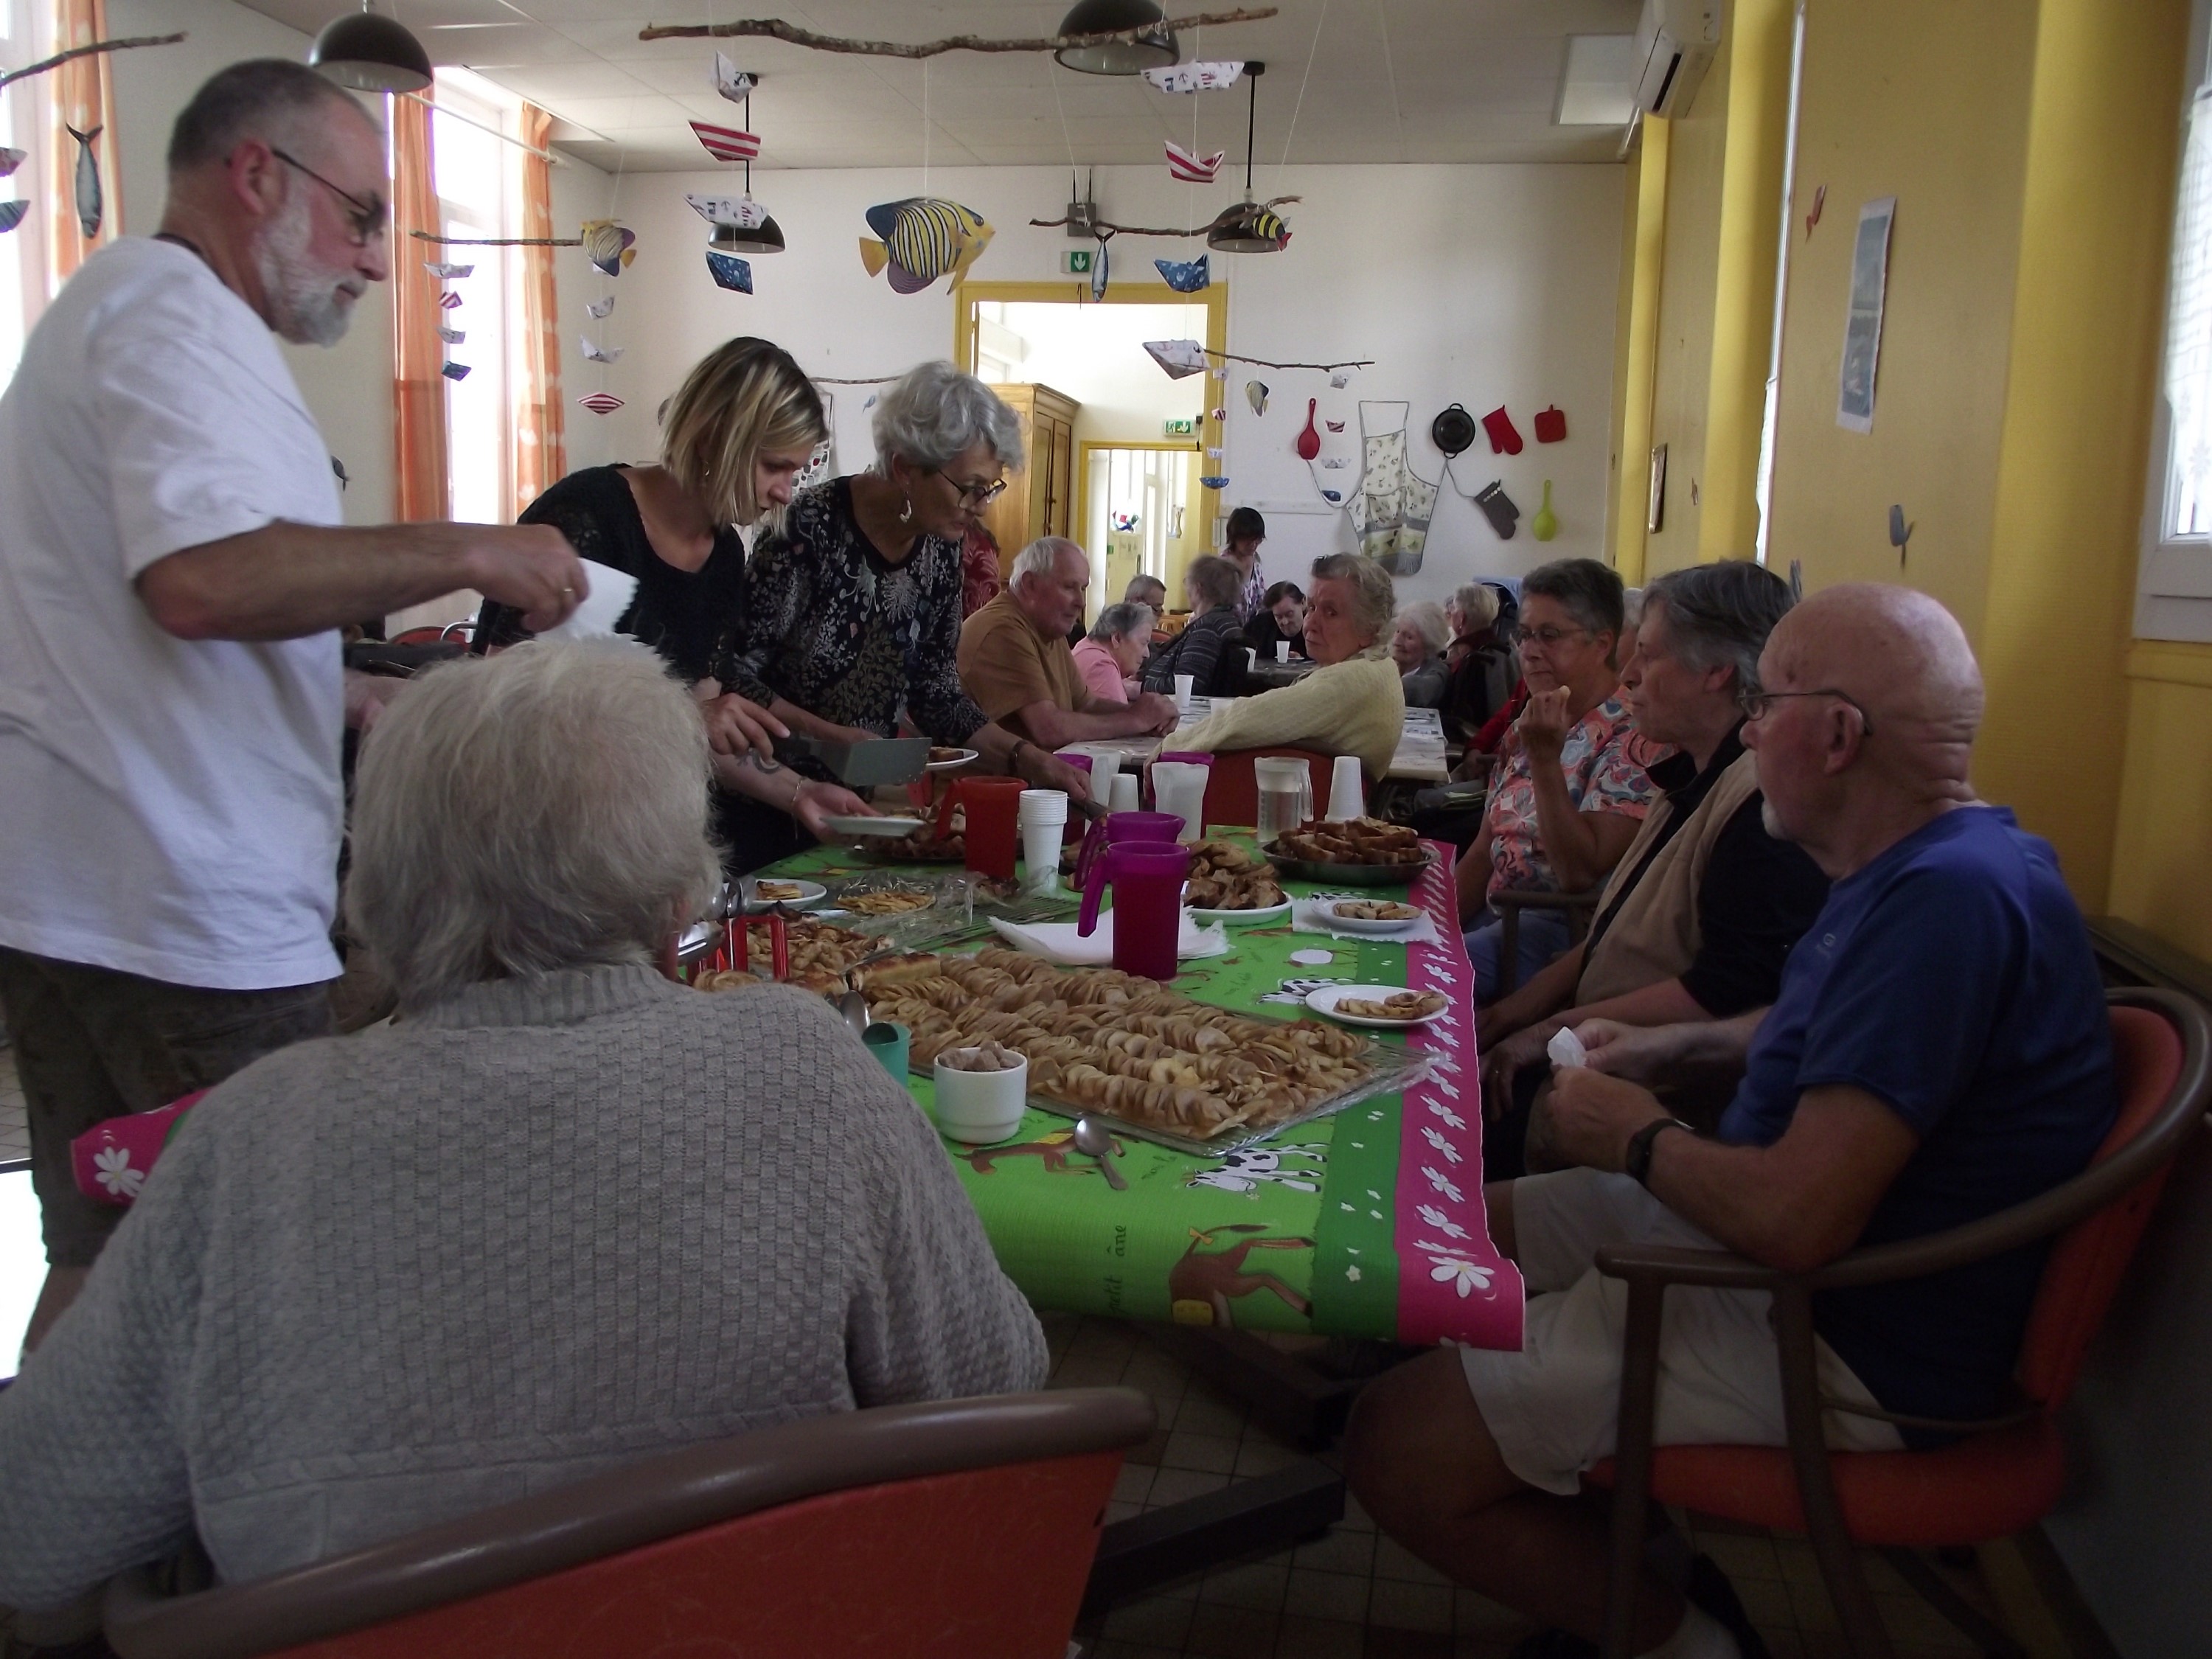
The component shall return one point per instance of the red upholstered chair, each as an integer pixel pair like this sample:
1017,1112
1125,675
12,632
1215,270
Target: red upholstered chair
937,1531
1232,792
2001,1476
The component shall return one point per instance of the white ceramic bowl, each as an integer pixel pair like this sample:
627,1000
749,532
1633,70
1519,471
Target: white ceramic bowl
980,1106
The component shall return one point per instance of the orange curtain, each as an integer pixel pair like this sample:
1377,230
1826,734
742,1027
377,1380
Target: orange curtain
82,96
540,447
418,383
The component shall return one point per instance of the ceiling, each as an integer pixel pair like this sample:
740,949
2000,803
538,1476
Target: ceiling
1347,81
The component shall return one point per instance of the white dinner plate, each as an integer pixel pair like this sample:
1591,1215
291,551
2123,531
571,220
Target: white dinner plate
961,760
1239,917
854,825
808,892
1324,1001
1363,924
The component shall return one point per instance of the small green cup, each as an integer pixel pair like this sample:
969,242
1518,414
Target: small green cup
889,1041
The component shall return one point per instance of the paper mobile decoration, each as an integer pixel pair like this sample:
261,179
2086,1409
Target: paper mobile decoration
609,245
1334,497
775,29
11,213
1185,276
1504,437
597,354
89,201
1194,169
732,83
448,299
601,402
599,307
1546,523
730,271
1334,426
446,273
1210,76
1213,454
1177,357
738,212
11,158
1551,425
86,50
455,371
338,472
922,238
1341,379
1255,393
1099,266
726,143
1215,480
452,336
497,242
1335,463
1309,443
1217,414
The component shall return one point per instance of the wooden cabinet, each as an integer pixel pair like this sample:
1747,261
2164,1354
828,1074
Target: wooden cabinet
1040,495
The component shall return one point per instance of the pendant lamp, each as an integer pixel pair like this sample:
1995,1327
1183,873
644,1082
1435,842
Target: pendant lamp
1154,49
1245,228
370,53
766,237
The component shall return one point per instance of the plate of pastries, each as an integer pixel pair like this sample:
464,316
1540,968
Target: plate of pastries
1229,883
1360,852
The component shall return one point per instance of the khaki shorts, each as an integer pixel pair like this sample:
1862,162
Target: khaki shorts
1554,1407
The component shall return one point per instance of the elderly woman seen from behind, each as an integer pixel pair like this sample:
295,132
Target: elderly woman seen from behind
1210,647
1479,665
613,1215
1416,644
1352,704
1115,650
853,609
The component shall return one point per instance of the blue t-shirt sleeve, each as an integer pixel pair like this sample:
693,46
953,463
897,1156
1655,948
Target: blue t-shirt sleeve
1910,1007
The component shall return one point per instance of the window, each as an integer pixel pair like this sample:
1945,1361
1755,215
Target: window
22,250
479,182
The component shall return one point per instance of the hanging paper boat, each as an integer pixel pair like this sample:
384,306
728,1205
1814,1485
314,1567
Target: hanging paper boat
1177,357
609,245
601,402
89,202
1334,426
599,307
452,336
922,238
11,215
11,158
738,212
455,371
594,354
1217,414
727,143
1194,169
732,83
1213,454
448,299
446,273
1215,480
1210,76
1222,376
1184,276
1255,393
730,271
1342,377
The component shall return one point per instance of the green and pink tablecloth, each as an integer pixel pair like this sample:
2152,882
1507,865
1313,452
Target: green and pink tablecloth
1368,1223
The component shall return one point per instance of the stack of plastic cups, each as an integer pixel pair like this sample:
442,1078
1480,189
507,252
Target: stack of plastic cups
1043,816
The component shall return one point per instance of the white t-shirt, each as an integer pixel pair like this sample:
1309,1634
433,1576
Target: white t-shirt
167,807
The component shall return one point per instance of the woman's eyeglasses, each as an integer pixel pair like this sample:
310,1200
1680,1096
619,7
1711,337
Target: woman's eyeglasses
1547,637
977,495
368,218
1756,704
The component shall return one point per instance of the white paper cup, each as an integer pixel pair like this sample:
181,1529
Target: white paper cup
1282,650
1124,796
980,1106
1184,683
1347,795
1105,764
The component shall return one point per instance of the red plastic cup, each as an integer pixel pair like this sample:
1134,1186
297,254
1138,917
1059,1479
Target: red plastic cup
993,832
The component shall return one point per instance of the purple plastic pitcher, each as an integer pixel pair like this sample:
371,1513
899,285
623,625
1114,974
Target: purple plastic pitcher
1148,878
1120,827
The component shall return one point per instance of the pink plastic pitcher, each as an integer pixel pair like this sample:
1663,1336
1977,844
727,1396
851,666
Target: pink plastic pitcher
1120,827
1147,878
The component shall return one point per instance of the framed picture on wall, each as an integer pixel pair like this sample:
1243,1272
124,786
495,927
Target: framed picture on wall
1862,326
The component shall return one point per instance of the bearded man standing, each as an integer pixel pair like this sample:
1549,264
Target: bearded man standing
174,572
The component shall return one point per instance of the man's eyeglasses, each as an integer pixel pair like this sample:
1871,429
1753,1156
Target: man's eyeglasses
1756,704
978,494
368,218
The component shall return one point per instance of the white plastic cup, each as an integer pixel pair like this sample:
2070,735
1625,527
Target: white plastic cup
1251,659
1282,650
1124,796
1184,684
1105,763
1042,816
1347,795
980,1106
1179,788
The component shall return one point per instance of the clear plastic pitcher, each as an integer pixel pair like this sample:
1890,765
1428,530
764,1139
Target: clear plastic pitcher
1285,787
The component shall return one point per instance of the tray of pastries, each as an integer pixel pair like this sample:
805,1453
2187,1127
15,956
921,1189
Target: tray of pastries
1360,852
1230,881
1165,1068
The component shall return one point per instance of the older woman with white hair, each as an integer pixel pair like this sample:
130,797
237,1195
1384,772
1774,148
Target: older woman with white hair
1114,650
1352,704
564,1213
852,609
1418,638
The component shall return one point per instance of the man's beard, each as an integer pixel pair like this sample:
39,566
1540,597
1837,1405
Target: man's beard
307,304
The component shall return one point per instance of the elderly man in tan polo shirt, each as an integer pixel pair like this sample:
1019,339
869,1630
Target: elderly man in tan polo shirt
1016,663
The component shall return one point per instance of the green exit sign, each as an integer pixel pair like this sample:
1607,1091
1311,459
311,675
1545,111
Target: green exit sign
1076,261
1179,428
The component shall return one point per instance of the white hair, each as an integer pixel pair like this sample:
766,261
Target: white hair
1039,557
933,412
1477,604
542,809
1632,607
1426,617
1120,620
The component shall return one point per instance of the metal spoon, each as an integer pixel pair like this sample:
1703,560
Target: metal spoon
1096,1140
854,1008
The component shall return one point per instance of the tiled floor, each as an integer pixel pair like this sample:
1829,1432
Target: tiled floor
1356,1595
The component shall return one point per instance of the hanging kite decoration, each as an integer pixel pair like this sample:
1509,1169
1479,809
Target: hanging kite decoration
730,271
609,246
86,50
726,143
732,83
1214,76
601,402
1184,276
775,28
1194,169
921,239
90,203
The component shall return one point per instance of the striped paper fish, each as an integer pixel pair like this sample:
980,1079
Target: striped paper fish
609,245
601,402
1099,271
1185,276
1194,169
89,202
923,238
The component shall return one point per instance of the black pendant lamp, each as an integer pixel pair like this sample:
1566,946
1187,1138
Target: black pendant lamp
1154,49
370,53
766,237
1245,228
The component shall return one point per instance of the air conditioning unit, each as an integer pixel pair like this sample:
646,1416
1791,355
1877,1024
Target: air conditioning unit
1675,40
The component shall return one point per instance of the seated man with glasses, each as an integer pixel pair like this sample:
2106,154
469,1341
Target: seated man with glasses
1938,1051
1571,790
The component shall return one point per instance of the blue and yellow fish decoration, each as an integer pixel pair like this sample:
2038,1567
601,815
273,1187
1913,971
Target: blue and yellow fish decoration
1253,220
922,239
1185,276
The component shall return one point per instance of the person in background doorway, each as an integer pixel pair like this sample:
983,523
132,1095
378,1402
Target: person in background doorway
1210,647
1280,619
1109,658
1416,644
1246,530
174,573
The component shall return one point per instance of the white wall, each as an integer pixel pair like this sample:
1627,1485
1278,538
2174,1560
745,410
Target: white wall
1096,354
1478,285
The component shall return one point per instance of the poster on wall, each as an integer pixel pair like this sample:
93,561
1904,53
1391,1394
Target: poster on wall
1862,327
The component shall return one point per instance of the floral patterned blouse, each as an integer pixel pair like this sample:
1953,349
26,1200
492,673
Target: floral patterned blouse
1603,761
827,623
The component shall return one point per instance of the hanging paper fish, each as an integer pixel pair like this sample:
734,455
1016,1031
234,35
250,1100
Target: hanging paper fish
1256,222
1177,358
448,299
732,83
730,271
599,307
446,273
1184,276
1255,393
923,238
609,245
1194,169
10,160
1098,269
738,212
594,354
727,143
1215,480
89,203
452,336
1210,77
1334,426
455,371
11,215
601,402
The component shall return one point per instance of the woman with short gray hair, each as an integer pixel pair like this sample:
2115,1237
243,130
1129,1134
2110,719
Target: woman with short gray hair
852,610
1418,638
1114,649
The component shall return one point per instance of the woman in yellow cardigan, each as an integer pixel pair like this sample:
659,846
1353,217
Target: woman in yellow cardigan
1352,704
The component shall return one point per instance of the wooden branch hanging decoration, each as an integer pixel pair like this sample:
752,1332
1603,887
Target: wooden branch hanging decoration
87,50
1261,362
498,241
1109,229
775,28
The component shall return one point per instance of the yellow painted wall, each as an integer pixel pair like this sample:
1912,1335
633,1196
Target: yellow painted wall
2162,834
1635,340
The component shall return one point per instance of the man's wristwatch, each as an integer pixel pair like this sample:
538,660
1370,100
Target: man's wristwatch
1637,1163
1014,755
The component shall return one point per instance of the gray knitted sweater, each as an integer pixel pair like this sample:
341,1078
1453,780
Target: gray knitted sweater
382,1280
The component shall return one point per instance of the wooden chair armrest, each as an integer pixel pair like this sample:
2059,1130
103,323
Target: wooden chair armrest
1514,898
1665,1264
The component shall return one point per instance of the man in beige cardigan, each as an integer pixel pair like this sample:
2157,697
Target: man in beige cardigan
1705,905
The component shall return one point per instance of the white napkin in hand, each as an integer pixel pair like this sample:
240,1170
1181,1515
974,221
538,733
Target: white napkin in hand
1565,1049
1059,942
603,607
